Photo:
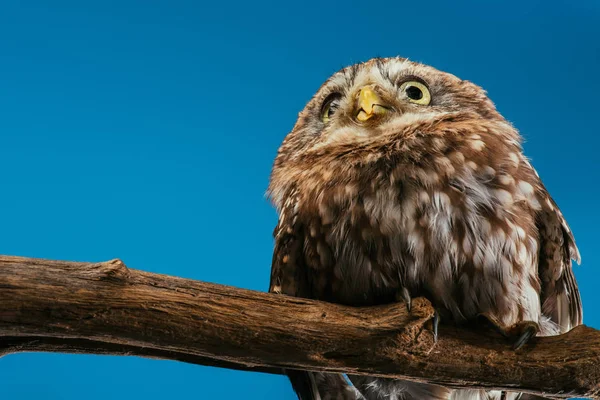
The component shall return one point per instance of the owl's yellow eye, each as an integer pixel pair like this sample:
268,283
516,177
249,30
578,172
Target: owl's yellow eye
416,92
330,107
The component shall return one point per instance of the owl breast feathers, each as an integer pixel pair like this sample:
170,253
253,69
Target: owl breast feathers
399,180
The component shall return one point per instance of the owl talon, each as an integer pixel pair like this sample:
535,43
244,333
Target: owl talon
528,330
407,299
436,324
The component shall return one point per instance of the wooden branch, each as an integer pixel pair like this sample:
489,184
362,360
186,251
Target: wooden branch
106,308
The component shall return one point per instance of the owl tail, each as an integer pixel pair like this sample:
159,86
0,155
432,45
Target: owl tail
380,388
319,386
304,385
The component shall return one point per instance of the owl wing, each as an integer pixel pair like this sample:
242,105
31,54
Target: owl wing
288,268
289,275
560,297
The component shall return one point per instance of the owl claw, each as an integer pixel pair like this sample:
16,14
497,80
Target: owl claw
528,330
407,299
436,324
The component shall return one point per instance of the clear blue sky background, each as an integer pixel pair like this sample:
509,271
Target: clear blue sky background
146,130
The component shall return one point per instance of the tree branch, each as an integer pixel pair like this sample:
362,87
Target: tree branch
106,308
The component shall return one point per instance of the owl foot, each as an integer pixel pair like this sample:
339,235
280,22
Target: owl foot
523,331
495,324
527,329
404,295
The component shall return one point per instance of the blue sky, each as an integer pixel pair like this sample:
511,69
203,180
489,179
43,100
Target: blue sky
145,130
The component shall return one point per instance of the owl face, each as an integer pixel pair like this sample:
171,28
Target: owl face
369,116
365,101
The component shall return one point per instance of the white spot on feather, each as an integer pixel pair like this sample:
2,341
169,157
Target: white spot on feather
506,180
457,157
489,172
514,158
503,196
525,188
477,145
472,165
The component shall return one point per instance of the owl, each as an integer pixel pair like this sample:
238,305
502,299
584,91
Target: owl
399,180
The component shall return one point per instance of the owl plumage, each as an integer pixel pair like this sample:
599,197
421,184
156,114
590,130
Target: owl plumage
399,180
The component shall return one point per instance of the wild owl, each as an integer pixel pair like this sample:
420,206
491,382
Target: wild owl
399,180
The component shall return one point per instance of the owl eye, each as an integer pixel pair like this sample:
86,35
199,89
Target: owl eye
416,92
330,107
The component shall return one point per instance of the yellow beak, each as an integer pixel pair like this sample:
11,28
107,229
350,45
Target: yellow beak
369,104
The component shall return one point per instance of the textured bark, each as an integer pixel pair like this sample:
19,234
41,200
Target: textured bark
106,308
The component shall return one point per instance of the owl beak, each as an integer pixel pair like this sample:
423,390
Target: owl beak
369,104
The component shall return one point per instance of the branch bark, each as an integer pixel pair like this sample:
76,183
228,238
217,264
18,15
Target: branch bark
106,308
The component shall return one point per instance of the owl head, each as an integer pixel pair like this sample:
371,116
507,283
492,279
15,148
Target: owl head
363,110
